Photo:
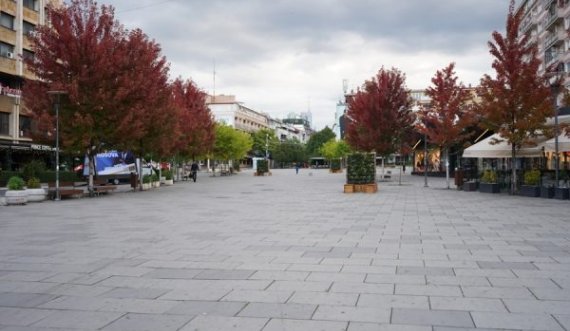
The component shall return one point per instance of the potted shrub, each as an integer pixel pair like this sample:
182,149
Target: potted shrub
531,181
16,194
155,180
147,182
562,192
361,173
489,182
262,167
335,166
35,191
168,180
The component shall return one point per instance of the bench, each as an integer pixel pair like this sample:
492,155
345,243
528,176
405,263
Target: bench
66,190
101,186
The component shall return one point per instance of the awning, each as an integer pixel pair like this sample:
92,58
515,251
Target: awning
563,144
484,149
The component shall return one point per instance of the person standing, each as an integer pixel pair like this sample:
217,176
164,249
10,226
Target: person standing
297,168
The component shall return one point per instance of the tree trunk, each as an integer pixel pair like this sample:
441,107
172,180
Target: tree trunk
513,169
447,166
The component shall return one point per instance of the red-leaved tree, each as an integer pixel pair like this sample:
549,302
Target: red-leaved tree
517,101
379,115
116,81
447,120
196,130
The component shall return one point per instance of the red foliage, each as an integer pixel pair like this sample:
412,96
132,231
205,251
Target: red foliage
116,81
449,116
379,115
195,122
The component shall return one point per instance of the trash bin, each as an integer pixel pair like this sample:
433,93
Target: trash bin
459,177
134,180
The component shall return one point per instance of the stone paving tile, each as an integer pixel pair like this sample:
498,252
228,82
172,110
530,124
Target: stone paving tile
515,321
134,293
537,306
431,317
221,323
522,282
466,304
336,277
276,324
206,308
224,274
506,265
564,320
321,298
352,287
21,316
258,296
279,310
551,293
395,279
358,314
148,322
497,292
428,290
206,294
172,273
24,300
393,301
299,286
81,319
432,271
463,281
281,275
358,326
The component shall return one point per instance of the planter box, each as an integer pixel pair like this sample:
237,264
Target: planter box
530,191
489,188
348,188
19,197
547,192
36,194
562,193
335,171
366,188
146,186
470,186
169,182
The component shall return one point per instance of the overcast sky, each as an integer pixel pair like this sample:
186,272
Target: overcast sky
282,56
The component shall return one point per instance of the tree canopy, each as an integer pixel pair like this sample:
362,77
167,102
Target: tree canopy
517,101
318,139
260,138
290,151
380,115
230,143
335,149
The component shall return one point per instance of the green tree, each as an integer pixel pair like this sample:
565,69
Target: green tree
289,151
260,138
230,143
318,139
335,149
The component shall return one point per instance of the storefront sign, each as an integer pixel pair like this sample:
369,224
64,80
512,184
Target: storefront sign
41,147
11,92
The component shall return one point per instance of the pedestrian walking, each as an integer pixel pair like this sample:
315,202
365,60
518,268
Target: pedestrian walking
404,168
297,168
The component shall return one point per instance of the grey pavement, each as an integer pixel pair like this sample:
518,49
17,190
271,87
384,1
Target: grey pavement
284,253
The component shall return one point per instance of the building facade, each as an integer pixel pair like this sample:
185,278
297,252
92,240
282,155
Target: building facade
227,110
17,20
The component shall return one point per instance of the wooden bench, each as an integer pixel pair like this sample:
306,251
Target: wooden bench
66,190
101,186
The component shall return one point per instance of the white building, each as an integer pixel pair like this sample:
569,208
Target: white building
227,110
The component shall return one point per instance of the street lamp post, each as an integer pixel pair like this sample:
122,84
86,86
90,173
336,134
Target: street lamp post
267,147
56,106
555,87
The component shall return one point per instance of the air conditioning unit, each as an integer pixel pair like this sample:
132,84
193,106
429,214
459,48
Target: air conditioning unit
10,55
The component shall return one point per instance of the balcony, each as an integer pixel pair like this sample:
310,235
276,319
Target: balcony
552,39
547,3
551,20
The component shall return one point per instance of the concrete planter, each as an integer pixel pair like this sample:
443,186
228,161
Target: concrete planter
489,188
470,186
168,182
19,197
530,191
36,194
146,186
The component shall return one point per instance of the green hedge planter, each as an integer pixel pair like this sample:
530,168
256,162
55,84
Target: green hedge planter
361,168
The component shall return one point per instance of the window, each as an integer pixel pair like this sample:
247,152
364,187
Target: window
25,126
7,20
6,50
28,55
32,4
28,28
4,124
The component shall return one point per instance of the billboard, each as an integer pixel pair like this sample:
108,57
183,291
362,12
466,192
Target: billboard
111,163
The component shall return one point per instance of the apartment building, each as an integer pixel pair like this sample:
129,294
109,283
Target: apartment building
18,18
227,110
547,23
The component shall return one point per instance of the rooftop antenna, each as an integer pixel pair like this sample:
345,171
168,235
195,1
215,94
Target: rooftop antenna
345,86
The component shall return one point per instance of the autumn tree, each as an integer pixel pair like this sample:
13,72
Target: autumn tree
195,123
115,81
517,101
380,114
446,120
318,139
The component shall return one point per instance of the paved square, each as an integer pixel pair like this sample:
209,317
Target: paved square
287,252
